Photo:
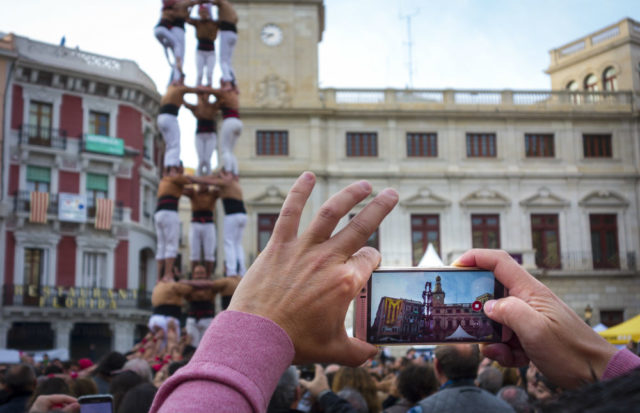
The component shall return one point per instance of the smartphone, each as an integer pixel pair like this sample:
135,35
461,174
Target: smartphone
97,403
406,306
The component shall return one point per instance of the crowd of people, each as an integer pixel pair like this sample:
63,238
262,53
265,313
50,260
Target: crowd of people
289,309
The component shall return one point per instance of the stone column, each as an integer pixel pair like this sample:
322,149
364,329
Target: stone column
62,331
4,333
123,336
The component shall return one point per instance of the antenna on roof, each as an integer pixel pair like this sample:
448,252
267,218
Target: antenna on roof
409,44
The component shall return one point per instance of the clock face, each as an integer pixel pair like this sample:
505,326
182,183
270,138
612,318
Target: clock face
271,35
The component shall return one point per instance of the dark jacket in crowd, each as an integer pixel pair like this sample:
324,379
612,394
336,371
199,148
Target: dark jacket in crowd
16,403
463,396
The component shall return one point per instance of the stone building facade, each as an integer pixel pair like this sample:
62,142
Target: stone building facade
78,127
551,176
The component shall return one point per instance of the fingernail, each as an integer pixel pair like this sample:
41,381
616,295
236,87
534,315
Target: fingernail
308,176
366,185
391,193
488,306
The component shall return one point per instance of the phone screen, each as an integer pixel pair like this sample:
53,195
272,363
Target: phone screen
431,306
101,407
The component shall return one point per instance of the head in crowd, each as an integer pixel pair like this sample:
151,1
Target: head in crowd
138,399
174,366
517,398
621,394
456,362
84,386
121,384
287,393
490,379
188,351
19,379
355,399
417,382
110,363
544,389
84,363
357,378
52,369
199,271
140,367
53,385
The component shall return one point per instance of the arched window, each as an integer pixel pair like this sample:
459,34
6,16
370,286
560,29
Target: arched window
591,83
610,79
572,86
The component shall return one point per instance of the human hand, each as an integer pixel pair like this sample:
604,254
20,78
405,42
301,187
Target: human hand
318,384
547,331
61,402
305,283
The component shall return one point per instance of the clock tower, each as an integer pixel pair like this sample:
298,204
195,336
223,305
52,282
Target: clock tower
276,56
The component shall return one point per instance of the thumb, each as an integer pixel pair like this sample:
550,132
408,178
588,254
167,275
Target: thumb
511,311
355,352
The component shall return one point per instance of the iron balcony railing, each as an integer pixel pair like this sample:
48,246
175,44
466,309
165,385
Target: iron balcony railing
22,202
118,210
43,136
587,261
70,298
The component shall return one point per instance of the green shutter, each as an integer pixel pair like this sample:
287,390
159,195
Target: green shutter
98,182
38,174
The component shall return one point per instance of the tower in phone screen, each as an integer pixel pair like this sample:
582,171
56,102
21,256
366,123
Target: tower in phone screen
419,307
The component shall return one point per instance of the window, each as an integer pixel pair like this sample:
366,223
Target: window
270,143
266,224
597,146
374,239
98,123
148,144
362,144
38,178
422,144
546,240
97,188
34,266
40,121
572,86
610,79
591,83
611,318
425,230
539,145
94,269
604,240
481,145
485,231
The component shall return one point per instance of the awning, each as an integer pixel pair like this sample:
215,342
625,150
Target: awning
623,332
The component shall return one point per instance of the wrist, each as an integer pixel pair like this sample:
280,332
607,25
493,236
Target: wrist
322,393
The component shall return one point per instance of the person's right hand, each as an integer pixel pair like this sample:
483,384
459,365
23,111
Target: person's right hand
61,402
305,283
547,331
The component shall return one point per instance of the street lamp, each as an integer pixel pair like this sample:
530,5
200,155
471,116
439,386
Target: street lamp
588,313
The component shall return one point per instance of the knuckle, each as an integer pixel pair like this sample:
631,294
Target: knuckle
359,227
328,212
289,211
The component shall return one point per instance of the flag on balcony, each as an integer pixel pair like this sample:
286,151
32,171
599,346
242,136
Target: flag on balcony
39,202
104,213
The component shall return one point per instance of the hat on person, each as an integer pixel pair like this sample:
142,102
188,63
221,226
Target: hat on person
84,363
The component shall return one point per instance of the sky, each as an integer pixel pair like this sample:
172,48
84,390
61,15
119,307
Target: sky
459,286
461,44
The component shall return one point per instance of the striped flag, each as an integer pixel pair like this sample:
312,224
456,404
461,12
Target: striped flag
104,213
39,205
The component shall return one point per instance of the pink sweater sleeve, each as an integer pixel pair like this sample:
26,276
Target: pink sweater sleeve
235,368
620,364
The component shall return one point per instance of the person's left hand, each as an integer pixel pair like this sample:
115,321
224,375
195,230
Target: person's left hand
61,402
305,283
318,384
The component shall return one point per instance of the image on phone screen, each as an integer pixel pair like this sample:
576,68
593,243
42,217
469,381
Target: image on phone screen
102,407
406,307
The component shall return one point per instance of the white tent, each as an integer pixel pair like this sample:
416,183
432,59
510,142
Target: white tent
600,327
430,258
460,334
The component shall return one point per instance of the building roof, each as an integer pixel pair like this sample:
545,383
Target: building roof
79,61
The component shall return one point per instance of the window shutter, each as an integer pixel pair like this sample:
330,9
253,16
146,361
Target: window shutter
98,182
38,174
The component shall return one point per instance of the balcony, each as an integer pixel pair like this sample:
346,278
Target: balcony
584,262
478,100
22,202
41,136
71,298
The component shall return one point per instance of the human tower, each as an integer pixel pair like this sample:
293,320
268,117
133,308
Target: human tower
206,188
